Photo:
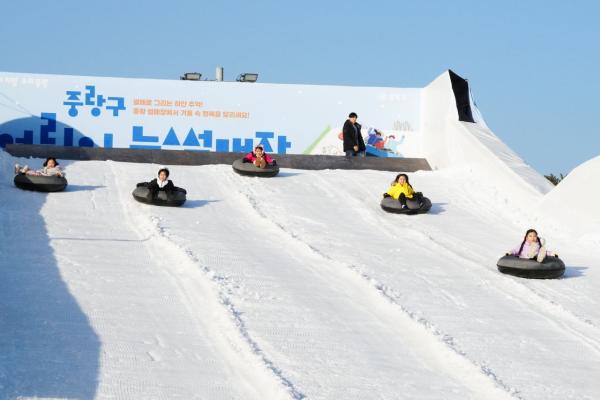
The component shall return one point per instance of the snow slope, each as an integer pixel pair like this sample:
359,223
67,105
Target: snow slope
573,204
288,288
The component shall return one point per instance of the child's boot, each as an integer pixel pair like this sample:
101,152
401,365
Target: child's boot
542,253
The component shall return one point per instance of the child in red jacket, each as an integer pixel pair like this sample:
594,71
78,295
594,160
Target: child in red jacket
258,157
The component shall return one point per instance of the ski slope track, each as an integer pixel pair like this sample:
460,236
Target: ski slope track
297,287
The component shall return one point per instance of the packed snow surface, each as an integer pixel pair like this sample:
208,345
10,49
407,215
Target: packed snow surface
294,287
574,205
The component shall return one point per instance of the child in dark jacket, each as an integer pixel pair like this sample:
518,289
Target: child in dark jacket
161,184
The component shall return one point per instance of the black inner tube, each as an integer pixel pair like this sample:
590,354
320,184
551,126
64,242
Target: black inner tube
551,267
249,169
40,183
392,205
174,199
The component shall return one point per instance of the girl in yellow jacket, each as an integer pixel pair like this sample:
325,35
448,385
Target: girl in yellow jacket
401,190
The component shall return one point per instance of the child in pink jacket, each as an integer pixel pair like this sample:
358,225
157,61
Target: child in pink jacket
532,247
51,168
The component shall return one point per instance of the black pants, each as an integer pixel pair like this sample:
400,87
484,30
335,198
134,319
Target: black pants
416,196
402,199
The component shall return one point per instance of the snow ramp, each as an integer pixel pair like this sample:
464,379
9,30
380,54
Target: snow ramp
298,287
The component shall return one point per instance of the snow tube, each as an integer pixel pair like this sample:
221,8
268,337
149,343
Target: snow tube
249,169
551,267
176,199
40,183
391,205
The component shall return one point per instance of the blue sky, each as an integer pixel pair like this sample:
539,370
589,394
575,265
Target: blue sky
533,66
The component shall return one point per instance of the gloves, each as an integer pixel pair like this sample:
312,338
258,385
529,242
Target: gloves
386,195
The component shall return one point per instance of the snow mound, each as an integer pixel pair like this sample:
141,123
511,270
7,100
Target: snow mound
572,205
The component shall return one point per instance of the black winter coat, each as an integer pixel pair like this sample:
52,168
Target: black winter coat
153,186
351,137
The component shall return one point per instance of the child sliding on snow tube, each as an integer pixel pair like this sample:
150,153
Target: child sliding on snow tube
50,168
401,190
258,157
532,247
160,184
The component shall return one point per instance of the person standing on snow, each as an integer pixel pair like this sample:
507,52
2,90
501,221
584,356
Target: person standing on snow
354,145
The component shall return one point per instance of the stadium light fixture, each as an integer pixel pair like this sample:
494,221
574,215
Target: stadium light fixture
191,76
247,77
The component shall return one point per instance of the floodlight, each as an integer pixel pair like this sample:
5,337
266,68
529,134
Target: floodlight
191,76
247,77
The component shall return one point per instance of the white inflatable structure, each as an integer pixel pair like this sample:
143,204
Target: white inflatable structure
450,142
